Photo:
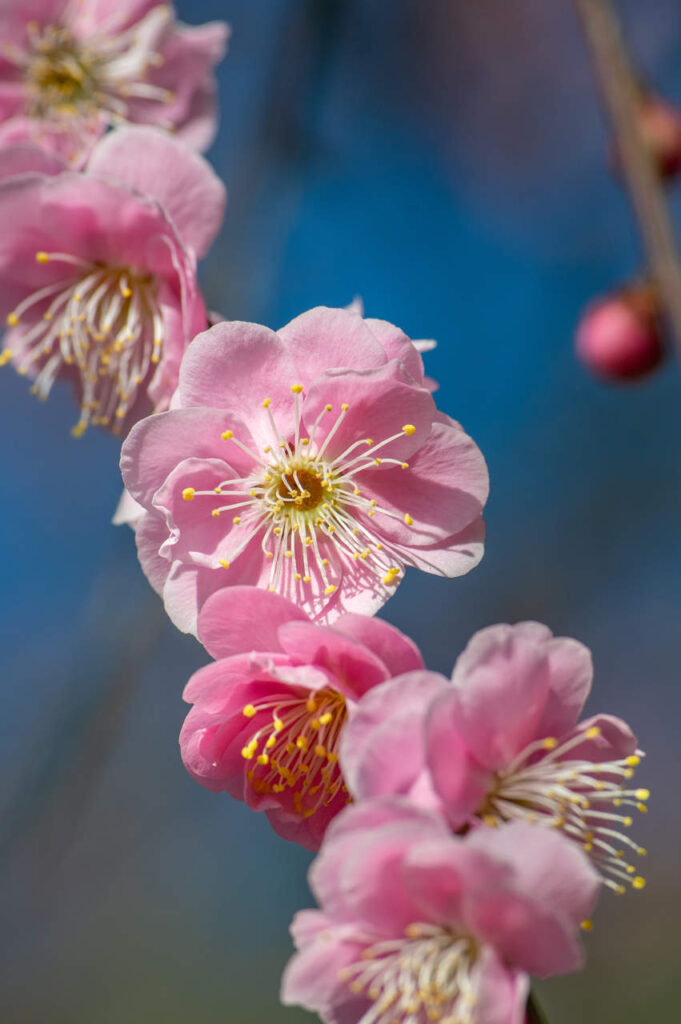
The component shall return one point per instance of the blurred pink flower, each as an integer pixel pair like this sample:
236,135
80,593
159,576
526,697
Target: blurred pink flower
98,270
280,467
417,925
502,742
265,726
70,68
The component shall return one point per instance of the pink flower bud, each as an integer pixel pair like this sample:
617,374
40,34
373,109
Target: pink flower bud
660,125
619,336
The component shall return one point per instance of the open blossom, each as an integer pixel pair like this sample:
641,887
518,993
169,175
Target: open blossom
98,270
502,741
269,714
416,925
70,68
311,462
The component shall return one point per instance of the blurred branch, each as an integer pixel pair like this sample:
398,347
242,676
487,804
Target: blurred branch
535,1014
620,89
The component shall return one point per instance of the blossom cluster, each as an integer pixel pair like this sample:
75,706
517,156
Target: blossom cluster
279,485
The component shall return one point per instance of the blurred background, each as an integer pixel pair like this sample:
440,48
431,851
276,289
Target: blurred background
445,161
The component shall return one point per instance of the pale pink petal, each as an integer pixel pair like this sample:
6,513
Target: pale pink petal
351,664
397,651
324,338
397,345
615,740
182,182
502,684
237,619
501,991
571,674
383,750
238,365
460,782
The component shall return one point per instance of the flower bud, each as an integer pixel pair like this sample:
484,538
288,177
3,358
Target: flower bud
619,336
660,125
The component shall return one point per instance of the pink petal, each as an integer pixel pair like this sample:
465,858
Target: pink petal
616,740
25,158
501,991
236,366
378,407
397,345
460,782
383,750
444,489
502,684
154,164
571,674
351,664
150,533
324,338
396,651
237,619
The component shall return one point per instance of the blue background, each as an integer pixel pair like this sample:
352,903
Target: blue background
445,161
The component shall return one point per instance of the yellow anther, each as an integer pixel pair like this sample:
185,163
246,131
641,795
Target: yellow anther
642,794
332,758
224,563
405,465
301,743
377,462
79,429
325,561
593,732
215,513
550,743
627,822
188,493
587,925
408,520
12,320
263,759
642,808
345,406
356,490
269,554
320,750
267,403
330,589
326,718
639,882
236,520
296,388
227,435
633,760
249,711
43,257
328,408
311,705
409,428
288,554
5,357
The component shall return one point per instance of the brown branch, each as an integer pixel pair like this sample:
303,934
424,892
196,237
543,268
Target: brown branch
621,94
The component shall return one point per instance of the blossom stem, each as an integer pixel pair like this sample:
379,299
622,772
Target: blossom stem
534,1014
620,89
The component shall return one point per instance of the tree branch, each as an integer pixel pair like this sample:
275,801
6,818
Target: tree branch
621,95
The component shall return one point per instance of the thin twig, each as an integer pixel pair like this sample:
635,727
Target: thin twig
621,93
535,1014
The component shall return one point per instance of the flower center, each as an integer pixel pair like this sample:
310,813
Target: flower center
59,73
425,976
105,322
579,797
308,507
65,76
295,748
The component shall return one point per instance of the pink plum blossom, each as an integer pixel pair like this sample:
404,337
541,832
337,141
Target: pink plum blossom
71,68
98,269
417,925
311,462
502,741
269,713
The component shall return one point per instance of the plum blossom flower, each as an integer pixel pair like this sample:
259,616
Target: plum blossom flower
70,68
417,925
311,462
98,270
266,723
502,741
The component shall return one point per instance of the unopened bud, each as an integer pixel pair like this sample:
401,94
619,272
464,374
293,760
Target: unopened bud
659,123
619,336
